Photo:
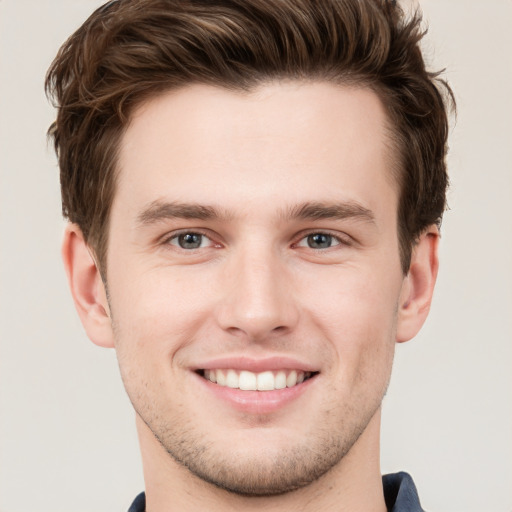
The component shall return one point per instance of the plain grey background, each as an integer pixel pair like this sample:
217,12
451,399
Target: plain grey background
67,435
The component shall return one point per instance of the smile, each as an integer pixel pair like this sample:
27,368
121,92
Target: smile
250,381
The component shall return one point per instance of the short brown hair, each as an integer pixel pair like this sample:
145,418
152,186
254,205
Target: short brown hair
131,50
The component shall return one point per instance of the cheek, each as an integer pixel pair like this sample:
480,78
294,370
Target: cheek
354,300
153,318
357,314
156,299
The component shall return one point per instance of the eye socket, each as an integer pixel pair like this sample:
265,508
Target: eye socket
319,241
190,240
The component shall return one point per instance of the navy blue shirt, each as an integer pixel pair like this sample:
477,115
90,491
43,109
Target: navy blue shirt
399,492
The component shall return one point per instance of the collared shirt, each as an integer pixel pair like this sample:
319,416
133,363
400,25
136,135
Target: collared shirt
399,492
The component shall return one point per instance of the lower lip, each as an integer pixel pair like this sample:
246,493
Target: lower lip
257,402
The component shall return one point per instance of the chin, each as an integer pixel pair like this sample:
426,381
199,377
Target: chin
263,465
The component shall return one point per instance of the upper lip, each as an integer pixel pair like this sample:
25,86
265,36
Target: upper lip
257,365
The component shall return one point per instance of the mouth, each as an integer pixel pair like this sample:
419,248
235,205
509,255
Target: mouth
250,381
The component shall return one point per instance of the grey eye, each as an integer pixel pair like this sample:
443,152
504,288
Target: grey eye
190,240
319,241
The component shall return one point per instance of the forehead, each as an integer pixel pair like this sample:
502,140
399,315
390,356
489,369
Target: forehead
294,141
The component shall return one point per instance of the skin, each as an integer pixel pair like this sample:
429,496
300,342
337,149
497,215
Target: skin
256,288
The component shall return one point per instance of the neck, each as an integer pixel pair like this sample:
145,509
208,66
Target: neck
354,484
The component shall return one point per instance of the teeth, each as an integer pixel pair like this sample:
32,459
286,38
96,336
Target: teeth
280,380
265,381
211,376
291,380
249,381
232,380
220,377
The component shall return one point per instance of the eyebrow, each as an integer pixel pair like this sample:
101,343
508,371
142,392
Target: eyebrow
336,211
159,211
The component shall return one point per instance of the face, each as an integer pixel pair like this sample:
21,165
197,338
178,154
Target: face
254,277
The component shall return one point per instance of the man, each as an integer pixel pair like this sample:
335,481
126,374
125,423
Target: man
254,190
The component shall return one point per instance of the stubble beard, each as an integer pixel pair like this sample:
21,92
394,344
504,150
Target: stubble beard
265,472
262,473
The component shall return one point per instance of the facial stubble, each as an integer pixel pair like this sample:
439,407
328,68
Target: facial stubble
271,469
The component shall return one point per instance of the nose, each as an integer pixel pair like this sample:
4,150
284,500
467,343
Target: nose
258,301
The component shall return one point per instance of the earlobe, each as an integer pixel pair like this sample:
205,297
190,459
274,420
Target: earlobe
87,287
418,285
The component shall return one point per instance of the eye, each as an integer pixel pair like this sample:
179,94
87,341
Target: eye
190,240
319,241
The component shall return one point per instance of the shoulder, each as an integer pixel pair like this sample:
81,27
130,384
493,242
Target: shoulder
139,503
400,493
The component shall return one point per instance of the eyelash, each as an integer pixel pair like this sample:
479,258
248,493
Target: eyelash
175,236
340,240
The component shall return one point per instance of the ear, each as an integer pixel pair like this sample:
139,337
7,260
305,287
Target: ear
418,285
87,287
